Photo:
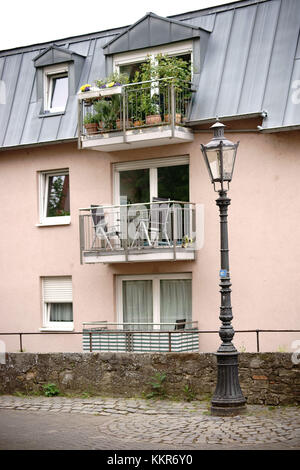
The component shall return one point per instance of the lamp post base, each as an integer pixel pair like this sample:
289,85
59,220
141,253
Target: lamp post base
228,399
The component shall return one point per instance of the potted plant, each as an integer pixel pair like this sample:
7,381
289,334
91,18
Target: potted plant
90,122
179,71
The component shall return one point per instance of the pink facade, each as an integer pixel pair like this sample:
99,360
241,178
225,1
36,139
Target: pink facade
263,239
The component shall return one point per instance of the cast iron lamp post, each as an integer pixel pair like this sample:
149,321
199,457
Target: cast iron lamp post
219,155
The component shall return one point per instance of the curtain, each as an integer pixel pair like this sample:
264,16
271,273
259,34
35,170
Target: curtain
137,303
175,301
61,312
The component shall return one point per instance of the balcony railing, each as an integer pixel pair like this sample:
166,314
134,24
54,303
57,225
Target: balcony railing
141,337
135,114
156,231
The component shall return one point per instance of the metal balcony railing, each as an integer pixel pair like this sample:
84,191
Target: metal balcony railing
180,336
162,230
139,105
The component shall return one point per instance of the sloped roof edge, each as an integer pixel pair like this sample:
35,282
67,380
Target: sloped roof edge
153,15
57,48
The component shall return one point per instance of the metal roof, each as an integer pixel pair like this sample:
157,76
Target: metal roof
252,63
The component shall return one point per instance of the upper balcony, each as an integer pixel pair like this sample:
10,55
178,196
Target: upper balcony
135,115
156,231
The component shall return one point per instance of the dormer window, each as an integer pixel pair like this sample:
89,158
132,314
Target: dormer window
56,88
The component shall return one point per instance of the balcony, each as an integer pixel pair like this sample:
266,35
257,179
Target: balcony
156,231
179,336
136,115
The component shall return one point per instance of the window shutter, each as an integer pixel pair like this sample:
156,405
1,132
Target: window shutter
57,289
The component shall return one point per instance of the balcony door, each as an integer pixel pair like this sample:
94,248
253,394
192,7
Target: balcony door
138,182
149,302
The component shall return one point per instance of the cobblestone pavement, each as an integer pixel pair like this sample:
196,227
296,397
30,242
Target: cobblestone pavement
163,424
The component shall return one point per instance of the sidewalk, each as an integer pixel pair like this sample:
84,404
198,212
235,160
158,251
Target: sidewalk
169,423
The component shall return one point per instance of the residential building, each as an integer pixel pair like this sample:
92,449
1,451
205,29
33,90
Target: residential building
90,230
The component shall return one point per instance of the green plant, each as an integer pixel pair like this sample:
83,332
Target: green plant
50,390
157,384
90,118
114,79
188,393
107,110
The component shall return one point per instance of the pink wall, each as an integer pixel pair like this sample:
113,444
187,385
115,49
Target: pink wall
264,232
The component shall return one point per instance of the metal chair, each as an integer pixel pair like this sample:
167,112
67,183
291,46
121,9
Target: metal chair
101,228
161,218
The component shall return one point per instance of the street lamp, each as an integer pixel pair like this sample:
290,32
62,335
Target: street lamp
219,155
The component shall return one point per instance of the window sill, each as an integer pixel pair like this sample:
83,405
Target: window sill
54,223
57,329
56,113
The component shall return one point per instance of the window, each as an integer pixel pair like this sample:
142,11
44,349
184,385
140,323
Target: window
54,197
57,303
140,181
156,299
129,62
56,88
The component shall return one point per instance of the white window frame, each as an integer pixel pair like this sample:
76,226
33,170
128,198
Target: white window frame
43,198
55,325
49,74
127,58
152,165
155,278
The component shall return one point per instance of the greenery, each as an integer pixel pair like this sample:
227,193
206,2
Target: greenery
188,393
114,79
56,198
50,390
157,384
108,111
90,118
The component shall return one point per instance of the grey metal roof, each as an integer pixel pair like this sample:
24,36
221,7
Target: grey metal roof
252,63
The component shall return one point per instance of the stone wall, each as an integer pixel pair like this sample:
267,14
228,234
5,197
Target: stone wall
266,378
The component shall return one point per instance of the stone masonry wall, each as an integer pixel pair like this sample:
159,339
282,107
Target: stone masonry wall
266,378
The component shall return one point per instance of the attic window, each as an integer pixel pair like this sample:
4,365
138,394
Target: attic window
56,88
129,62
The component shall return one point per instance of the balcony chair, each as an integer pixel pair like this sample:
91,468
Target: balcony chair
163,220
142,232
102,230
180,324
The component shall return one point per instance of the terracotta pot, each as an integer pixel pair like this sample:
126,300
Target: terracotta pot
119,124
91,128
153,119
177,118
137,123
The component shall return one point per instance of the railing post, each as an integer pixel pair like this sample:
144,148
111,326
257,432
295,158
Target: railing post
172,109
81,236
257,340
21,344
79,115
170,341
124,113
91,343
174,212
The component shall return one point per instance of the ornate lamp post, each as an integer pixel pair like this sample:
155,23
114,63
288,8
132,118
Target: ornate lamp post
219,155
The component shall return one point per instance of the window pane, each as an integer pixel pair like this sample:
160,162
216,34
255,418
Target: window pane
58,203
175,301
137,303
134,186
61,312
59,92
173,182
130,70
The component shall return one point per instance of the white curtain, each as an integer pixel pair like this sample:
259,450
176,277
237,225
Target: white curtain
61,312
137,303
175,301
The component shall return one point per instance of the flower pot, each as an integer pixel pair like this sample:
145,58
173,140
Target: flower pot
177,118
119,123
91,128
137,123
153,119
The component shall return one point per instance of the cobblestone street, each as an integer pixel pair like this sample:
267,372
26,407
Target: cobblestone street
106,423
